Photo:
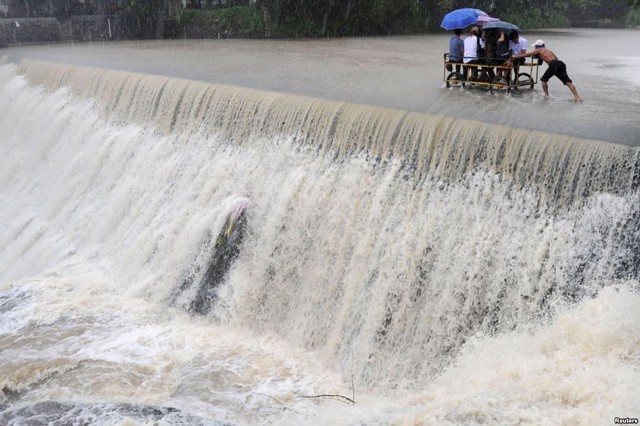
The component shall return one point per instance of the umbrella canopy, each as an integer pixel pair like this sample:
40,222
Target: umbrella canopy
484,19
461,18
502,25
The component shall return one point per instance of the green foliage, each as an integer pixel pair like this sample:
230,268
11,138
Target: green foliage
536,18
291,18
236,21
138,7
633,18
584,5
318,18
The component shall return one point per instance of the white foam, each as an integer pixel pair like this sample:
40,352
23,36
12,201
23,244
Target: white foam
347,270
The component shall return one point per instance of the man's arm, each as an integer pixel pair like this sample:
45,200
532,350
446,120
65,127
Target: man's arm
525,55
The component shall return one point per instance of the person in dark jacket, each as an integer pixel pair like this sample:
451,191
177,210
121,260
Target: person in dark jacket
456,49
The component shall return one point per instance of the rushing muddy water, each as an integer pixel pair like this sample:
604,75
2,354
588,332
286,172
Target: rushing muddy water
416,250
397,72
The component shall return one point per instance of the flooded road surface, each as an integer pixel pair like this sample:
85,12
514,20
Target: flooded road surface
396,72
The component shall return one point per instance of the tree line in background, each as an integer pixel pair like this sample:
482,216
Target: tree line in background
331,18
335,18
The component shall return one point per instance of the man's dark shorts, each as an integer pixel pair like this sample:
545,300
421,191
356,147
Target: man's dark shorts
557,68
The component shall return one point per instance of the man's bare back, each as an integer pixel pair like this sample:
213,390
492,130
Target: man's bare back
546,55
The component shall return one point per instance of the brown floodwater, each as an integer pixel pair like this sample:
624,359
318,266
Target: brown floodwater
397,72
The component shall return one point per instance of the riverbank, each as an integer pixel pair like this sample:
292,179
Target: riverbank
44,30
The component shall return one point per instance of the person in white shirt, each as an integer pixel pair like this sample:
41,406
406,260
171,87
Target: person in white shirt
471,45
517,45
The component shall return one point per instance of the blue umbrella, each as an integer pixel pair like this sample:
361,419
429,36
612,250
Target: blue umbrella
461,18
502,25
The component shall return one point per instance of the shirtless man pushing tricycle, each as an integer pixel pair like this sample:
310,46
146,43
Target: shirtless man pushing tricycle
556,67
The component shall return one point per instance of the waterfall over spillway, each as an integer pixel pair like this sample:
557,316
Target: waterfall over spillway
424,144
381,240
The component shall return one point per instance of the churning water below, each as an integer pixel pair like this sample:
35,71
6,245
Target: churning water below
434,270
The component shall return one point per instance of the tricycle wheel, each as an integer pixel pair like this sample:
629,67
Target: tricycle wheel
524,81
499,85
